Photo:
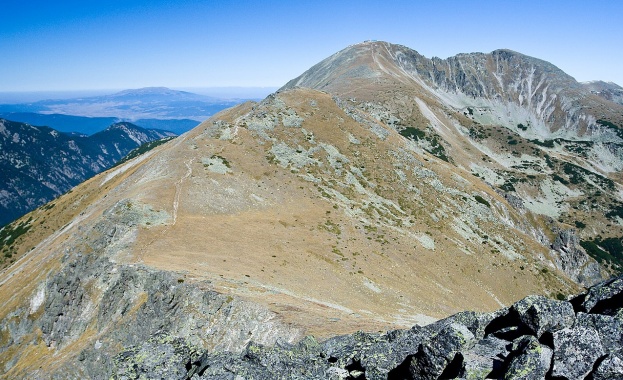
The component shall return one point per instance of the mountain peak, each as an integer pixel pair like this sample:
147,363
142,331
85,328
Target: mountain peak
150,91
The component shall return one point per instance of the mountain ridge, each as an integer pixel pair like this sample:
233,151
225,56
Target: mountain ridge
368,203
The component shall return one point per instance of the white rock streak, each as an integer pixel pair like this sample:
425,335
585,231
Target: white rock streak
178,190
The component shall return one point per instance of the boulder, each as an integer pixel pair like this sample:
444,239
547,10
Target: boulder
485,359
605,298
541,314
609,368
575,352
530,360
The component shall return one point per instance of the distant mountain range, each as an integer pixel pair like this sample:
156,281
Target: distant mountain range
159,107
90,125
40,163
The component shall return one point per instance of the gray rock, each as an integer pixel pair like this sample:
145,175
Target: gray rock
610,368
605,297
485,359
609,329
158,358
573,260
542,314
575,352
438,353
530,359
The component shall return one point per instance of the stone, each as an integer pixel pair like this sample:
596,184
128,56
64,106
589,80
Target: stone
575,352
530,359
605,297
609,368
541,314
609,329
573,260
486,359
438,353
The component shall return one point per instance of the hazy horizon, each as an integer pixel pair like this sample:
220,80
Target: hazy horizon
235,92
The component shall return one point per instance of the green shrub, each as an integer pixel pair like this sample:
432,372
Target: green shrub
480,199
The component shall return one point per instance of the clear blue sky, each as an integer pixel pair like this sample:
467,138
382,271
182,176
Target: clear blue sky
78,45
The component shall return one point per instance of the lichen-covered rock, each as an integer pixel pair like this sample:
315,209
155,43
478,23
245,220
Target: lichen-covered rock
548,339
485,359
475,322
530,359
609,329
542,314
611,367
441,351
605,298
575,352
158,358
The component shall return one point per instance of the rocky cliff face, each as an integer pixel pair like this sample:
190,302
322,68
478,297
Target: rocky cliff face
40,163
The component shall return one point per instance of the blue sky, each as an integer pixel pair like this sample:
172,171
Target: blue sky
83,45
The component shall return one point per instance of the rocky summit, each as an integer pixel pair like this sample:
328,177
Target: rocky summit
377,191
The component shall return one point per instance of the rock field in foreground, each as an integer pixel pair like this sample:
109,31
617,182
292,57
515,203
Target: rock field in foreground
535,338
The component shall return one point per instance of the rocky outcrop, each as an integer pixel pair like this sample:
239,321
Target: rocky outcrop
573,260
536,338
92,307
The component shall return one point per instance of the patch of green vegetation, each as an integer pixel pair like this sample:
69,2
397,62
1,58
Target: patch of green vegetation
143,149
480,199
477,133
507,186
9,234
416,134
513,142
606,251
332,227
560,179
544,143
413,133
577,173
578,147
611,126
579,224
616,211
438,150
470,110
225,162
607,123
522,127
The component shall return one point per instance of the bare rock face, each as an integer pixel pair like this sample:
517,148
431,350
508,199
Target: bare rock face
548,338
573,260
